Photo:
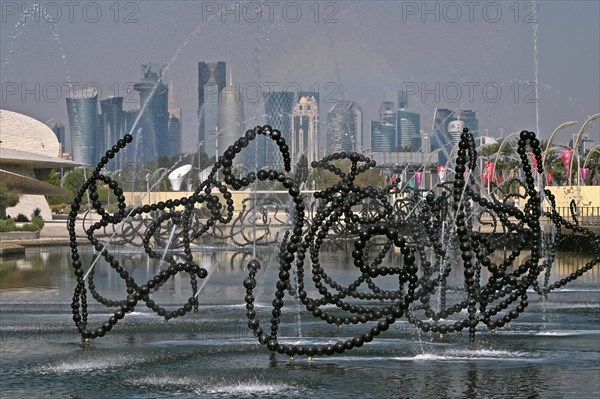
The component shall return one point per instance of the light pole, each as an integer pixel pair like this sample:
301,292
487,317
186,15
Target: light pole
561,126
576,145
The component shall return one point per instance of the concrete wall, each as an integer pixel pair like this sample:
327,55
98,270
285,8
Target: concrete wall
584,196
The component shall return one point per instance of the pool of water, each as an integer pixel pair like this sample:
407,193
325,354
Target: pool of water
551,351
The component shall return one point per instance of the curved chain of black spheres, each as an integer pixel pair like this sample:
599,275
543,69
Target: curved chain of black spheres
410,227
182,219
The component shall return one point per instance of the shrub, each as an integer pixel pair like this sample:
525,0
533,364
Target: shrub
37,222
7,225
36,212
29,227
21,218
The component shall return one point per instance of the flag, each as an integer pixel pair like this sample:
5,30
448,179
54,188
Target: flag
489,170
418,178
566,158
584,174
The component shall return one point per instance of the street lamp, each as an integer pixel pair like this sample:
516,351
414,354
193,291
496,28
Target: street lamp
576,145
561,126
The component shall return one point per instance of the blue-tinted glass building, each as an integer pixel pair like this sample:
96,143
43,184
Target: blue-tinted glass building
408,125
344,127
278,115
211,81
82,110
153,124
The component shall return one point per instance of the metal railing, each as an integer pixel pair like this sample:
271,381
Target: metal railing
586,215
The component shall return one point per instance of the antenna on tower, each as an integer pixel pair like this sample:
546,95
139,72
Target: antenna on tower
230,76
171,96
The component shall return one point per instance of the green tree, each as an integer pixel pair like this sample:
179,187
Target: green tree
324,178
8,198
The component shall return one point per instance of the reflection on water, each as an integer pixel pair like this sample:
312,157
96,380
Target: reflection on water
552,350
50,268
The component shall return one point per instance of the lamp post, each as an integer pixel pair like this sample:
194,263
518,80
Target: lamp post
576,146
561,126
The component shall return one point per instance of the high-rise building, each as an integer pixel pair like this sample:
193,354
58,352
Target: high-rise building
447,128
305,130
211,81
174,127
344,127
153,123
231,117
129,155
82,109
59,131
383,131
408,130
264,152
383,137
111,123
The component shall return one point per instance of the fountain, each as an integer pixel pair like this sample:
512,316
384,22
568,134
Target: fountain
494,291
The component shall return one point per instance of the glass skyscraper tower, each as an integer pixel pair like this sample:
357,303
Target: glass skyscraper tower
82,109
153,124
211,81
278,115
344,127
111,128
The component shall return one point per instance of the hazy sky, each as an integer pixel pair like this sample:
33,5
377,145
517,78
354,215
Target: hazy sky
459,55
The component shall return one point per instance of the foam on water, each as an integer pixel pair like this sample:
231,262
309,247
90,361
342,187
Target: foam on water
467,354
89,364
566,333
253,387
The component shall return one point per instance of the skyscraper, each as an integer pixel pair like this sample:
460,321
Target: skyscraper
231,117
383,137
344,127
305,130
59,131
211,81
278,115
447,128
408,130
82,109
174,127
154,103
111,127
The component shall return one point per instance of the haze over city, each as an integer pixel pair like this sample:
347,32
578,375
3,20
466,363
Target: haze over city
483,56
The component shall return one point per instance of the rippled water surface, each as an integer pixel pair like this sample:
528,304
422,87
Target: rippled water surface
550,351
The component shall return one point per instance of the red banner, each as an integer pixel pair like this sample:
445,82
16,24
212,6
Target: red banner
549,178
489,170
584,174
535,164
418,178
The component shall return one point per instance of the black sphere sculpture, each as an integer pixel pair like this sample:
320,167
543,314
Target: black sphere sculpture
493,293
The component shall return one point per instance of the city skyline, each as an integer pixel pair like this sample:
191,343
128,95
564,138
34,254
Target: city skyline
365,62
